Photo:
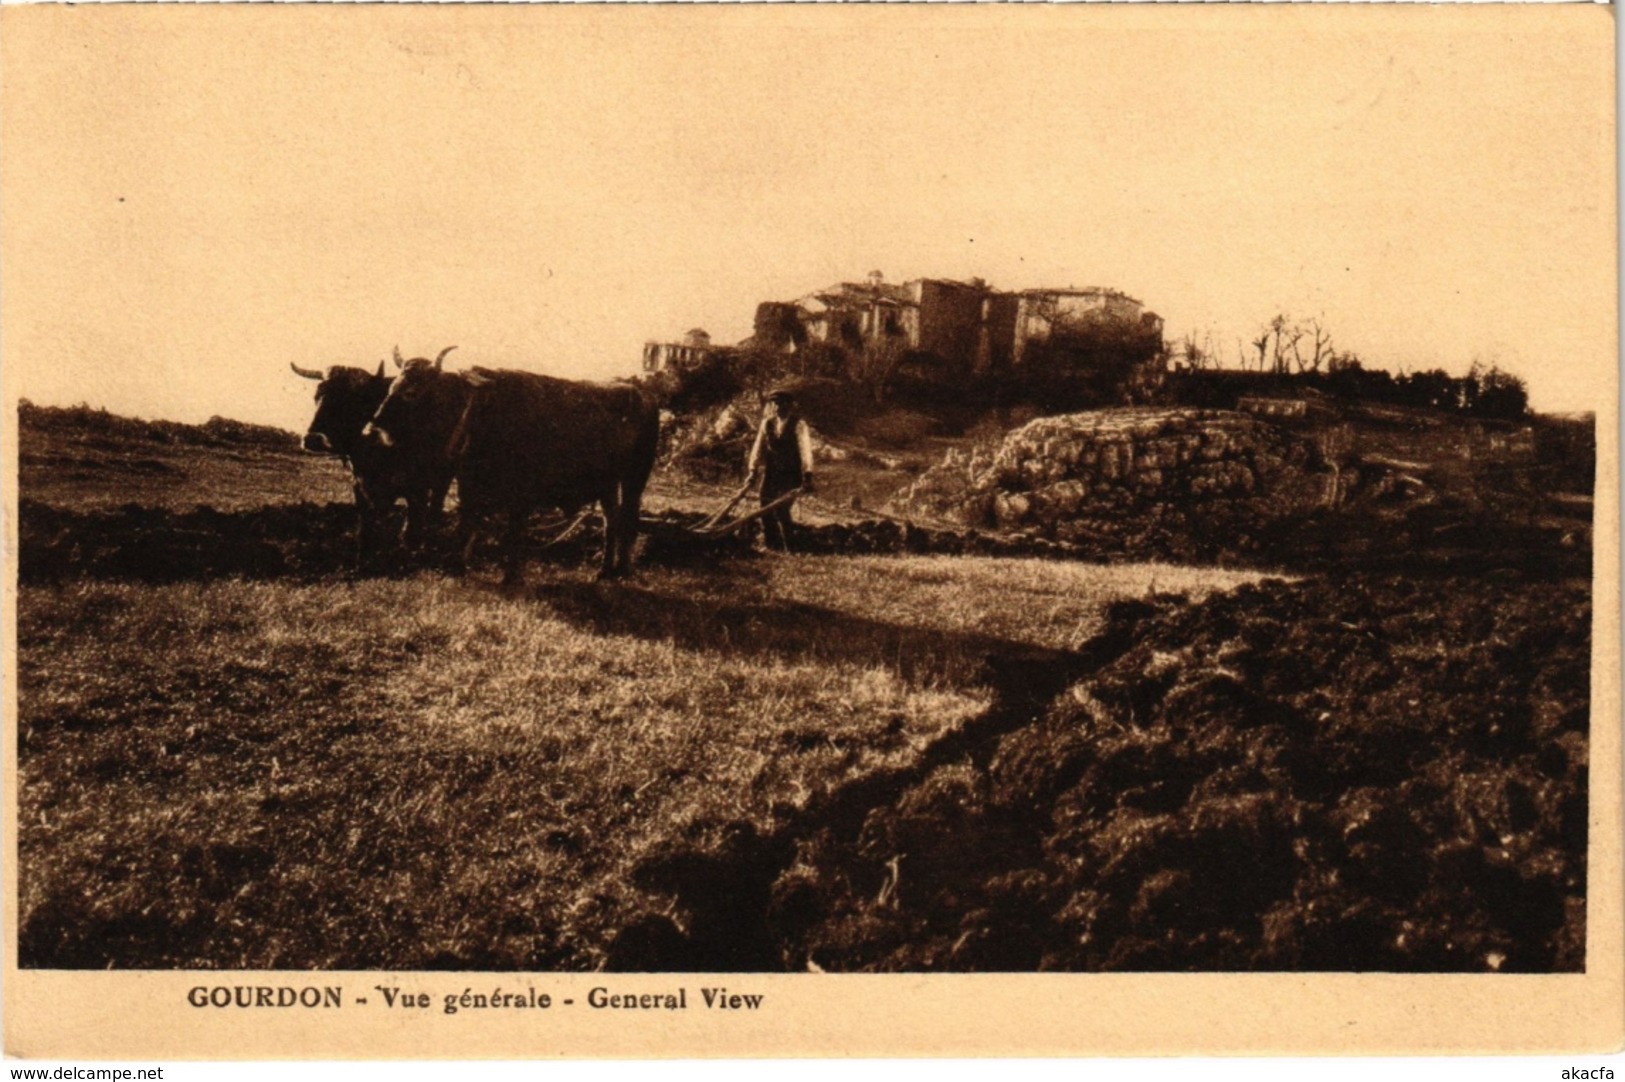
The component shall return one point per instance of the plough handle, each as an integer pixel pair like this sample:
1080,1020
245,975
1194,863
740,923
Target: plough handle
744,490
724,531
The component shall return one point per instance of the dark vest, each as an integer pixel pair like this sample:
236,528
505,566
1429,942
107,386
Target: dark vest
781,453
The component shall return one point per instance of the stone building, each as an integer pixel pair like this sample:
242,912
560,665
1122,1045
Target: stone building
969,327
694,348
1045,315
955,328
850,314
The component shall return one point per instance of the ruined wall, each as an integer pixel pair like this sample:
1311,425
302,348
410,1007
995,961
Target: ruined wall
1083,323
777,327
681,356
1150,482
997,338
949,322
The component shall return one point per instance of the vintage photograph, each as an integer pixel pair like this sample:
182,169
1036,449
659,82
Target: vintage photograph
755,490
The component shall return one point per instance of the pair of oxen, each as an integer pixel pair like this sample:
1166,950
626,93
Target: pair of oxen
513,441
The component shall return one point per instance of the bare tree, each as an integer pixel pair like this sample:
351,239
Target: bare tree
1281,348
1322,345
1195,357
1287,336
1261,343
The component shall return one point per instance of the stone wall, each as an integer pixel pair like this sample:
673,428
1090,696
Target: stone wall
1169,482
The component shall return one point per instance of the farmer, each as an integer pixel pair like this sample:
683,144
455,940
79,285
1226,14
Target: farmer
782,456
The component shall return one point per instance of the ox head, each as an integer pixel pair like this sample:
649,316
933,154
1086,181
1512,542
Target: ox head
402,364
416,405
346,399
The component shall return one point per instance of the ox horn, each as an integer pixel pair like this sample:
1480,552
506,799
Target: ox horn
400,362
442,356
308,373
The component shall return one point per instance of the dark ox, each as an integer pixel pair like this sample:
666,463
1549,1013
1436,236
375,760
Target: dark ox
521,441
346,399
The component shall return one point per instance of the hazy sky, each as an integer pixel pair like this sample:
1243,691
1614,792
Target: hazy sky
195,196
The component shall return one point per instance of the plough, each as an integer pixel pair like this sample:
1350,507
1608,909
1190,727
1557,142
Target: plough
718,525
714,528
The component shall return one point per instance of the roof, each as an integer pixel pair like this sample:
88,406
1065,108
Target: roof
846,293
978,285
1089,291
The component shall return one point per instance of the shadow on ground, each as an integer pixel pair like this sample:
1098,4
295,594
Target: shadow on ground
785,630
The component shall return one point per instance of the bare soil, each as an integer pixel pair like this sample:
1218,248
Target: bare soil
1366,774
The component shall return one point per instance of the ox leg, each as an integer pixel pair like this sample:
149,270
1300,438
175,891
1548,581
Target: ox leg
423,513
434,511
415,515
631,512
467,534
363,538
366,530
513,564
610,566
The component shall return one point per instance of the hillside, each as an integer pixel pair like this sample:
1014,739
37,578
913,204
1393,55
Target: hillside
84,459
1368,752
1367,484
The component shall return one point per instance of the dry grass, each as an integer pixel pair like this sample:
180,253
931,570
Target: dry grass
429,772
90,471
1058,606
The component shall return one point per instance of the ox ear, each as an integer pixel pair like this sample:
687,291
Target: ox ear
442,357
399,361
380,374
308,373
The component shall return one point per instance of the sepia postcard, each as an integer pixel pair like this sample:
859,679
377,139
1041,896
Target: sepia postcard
809,530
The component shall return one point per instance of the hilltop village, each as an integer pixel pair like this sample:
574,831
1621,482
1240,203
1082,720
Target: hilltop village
947,346
929,331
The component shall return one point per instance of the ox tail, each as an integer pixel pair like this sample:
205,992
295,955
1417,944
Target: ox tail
646,447
621,536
